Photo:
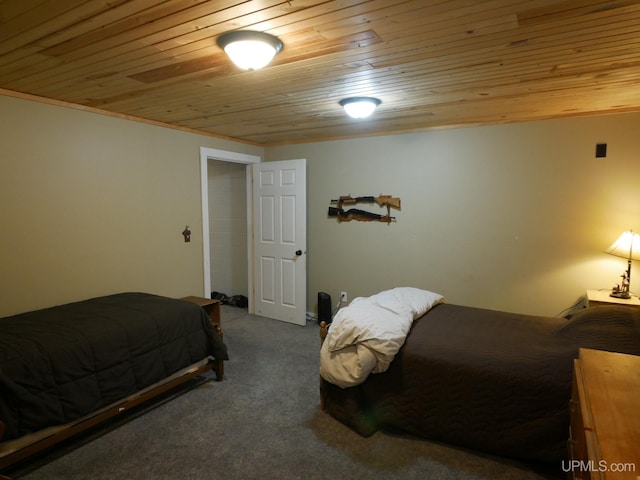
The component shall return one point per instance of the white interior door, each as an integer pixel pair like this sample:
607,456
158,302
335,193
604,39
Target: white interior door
280,240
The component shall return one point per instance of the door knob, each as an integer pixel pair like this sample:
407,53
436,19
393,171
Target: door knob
298,252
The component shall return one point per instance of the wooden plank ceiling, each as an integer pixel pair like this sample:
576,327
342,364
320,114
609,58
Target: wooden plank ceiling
433,63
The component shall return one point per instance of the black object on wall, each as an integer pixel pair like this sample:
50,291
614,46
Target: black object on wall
601,150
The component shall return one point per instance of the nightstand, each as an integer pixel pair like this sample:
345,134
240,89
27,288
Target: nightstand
602,297
212,307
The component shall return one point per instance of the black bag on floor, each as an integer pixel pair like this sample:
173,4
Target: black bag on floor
222,297
239,301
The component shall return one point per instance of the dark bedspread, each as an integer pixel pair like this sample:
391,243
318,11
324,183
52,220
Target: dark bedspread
491,381
61,363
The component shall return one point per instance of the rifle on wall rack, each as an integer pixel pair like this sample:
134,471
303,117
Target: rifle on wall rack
382,200
363,215
357,214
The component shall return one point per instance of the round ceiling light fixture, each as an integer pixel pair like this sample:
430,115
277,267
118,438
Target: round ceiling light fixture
359,107
248,49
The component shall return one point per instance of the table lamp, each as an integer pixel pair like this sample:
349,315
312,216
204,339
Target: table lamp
626,246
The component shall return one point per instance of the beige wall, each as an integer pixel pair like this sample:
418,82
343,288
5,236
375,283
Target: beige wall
93,205
511,217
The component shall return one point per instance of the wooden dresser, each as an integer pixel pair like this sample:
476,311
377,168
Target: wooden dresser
605,417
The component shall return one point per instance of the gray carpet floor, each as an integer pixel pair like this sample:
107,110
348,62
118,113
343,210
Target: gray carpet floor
262,421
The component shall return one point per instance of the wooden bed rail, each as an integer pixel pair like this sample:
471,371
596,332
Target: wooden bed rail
111,411
324,329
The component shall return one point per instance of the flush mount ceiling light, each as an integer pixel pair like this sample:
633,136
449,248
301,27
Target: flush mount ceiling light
359,107
248,49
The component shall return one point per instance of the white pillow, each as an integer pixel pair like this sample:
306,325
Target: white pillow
418,301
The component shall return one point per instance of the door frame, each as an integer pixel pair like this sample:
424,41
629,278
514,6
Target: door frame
207,154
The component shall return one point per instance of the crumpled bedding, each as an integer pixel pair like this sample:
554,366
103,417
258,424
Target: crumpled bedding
365,336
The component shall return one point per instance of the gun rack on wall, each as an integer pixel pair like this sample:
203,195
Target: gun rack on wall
363,215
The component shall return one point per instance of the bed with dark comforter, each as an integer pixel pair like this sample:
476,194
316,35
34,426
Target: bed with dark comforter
62,364
487,380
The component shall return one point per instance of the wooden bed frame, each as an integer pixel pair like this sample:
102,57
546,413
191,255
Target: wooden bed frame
23,448
14,451
324,329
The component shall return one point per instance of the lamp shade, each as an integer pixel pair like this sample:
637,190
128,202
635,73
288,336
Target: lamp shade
248,49
626,246
359,107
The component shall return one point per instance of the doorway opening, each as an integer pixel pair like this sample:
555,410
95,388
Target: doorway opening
228,227
220,158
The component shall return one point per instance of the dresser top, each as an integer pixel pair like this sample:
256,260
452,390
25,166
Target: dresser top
612,390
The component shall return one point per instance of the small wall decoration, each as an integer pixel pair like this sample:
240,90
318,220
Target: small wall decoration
363,215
